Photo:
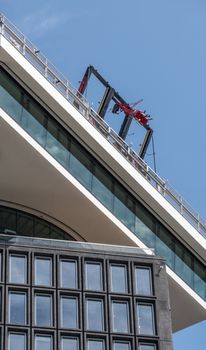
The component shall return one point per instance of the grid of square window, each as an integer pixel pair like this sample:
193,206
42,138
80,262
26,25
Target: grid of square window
76,301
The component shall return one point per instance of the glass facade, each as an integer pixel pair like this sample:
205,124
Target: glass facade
37,122
17,222
49,316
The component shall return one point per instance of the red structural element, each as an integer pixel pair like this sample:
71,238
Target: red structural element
140,116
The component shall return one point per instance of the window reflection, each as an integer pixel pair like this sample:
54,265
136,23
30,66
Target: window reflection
69,343
17,268
43,342
146,319
43,310
68,274
121,345
43,271
93,276
95,344
143,281
118,278
147,346
69,312
95,315
17,308
120,317
17,341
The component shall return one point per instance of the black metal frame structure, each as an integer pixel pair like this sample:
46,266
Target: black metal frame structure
109,95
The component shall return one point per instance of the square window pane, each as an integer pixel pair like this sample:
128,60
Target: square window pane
17,308
147,346
68,274
95,315
118,278
43,271
17,341
93,276
95,344
121,345
143,281
69,343
43,342
69,312
146,319
120,317
43,310
18,268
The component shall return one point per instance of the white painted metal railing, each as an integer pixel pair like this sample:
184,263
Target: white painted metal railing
40,62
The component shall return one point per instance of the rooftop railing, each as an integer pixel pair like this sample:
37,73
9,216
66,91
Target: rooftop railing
49,71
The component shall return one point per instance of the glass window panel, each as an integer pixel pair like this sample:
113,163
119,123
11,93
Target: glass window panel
147,346
146,319
183,264
118,278
69,343
43,310
43,342
102,186
80,164
25,224
57,143
165,245
69,312
200,279
120,317
68,274
8,220
18,268
41,229
17,341
143,281
95,315
33,120
95,344
0,268
17,308
121,345
124,207
10,97
145,226
93,276
43,271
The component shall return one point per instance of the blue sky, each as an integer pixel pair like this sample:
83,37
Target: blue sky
147,49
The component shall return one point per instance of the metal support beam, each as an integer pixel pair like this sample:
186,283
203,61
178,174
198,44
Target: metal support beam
145,143
104,104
